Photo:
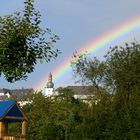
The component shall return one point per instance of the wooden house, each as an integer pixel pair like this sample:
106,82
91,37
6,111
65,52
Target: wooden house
10,112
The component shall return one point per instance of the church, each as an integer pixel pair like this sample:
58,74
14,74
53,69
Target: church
80,92
49,89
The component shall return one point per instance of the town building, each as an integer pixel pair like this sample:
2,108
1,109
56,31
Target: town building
84,93
22,96
49,88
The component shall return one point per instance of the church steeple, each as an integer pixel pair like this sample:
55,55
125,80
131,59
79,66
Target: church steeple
50,84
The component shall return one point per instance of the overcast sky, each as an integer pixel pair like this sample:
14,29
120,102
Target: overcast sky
76,22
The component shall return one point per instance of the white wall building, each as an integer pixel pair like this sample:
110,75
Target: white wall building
49,89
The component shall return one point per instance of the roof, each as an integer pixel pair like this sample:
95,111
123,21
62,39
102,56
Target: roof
83,90
4,90
19,94
10,111
1,91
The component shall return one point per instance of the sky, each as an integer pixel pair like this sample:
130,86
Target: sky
76,22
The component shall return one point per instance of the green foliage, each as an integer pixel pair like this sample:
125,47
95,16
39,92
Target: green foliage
89,71
23,42
116,115
123,68
53,118
107,117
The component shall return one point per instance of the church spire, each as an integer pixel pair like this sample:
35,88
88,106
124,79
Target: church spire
50,84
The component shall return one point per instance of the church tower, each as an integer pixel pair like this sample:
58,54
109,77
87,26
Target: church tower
49,89
50,84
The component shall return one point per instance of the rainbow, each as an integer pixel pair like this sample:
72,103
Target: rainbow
115,33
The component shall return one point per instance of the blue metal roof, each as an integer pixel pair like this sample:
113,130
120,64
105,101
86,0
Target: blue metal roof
5,106
9,108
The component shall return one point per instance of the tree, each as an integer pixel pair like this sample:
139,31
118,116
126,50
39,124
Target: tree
23,42
89,71
123,68
57,117
116,115
124,77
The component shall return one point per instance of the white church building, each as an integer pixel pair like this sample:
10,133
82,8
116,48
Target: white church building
49,89
80,92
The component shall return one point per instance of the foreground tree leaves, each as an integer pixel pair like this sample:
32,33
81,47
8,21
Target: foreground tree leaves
23,42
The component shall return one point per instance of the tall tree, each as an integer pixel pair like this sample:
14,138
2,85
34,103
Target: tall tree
89,71
122,78
123,68
23,42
